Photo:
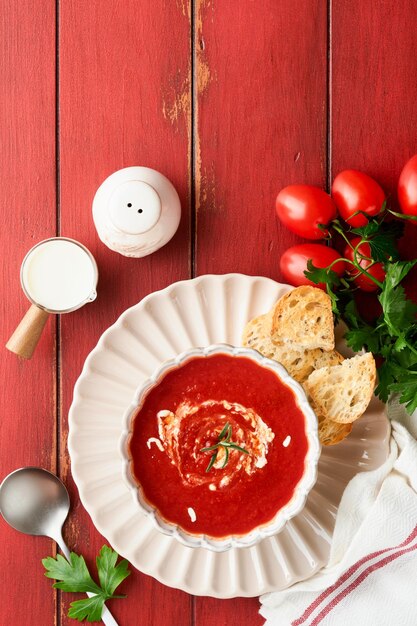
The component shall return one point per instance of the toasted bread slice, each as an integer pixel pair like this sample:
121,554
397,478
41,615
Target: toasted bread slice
304,317
341,393
331,433
299,362
323,358
257,333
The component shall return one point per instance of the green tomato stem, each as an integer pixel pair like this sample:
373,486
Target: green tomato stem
341,232
358,267
403,216
361,269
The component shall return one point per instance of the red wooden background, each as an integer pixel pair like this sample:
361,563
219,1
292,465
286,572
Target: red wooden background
232,101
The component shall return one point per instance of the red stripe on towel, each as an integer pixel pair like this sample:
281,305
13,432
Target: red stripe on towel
359,580
352,569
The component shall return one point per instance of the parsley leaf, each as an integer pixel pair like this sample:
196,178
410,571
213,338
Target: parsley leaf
326,276
382,238
384,244
321,275
400,344
399,312
73,575
360,338
385,379
360,335
368,230
90,609
110,574
393,336
407,388
334,300
396,272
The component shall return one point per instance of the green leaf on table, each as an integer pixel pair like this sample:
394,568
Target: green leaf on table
399,312
329,278
360,334
321,275
89,609
368,230
407,388
396,272
393,336
385,379
110,574
72,575
384,245
400,343
382,238
334,299
351,315
365,337
398,374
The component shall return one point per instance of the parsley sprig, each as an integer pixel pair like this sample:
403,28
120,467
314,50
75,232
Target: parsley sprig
224,441
393,335
74,576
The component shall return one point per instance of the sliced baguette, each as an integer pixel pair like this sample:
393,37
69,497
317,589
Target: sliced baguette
256,335
299,362
304,317
331,433
341,393
322,358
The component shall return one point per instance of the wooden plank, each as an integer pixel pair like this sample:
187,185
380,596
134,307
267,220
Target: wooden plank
124,100
27,198
260,125
374,129
239,611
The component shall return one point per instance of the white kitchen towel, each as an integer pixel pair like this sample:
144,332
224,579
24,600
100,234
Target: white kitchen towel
371,577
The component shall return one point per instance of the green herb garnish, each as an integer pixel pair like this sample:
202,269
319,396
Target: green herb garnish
393,335
224,441
74,576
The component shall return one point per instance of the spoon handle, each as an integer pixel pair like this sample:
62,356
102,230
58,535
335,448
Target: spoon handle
106,617
62,545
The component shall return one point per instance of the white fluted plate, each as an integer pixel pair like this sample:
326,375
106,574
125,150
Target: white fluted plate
206,310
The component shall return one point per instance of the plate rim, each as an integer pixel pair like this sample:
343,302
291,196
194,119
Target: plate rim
76,397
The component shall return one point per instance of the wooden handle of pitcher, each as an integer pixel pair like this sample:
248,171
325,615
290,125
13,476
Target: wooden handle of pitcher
26,336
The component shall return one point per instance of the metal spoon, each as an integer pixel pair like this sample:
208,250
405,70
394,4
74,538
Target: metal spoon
36,502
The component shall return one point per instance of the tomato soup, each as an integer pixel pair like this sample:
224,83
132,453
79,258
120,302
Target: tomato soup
218,446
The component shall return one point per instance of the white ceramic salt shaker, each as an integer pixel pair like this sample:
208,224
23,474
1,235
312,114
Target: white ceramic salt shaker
136,211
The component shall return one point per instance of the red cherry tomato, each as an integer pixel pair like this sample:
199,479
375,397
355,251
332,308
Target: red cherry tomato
355,191
407,188
301,208
377,271
293,262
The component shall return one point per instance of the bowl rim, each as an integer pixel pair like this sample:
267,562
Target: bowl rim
283,515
